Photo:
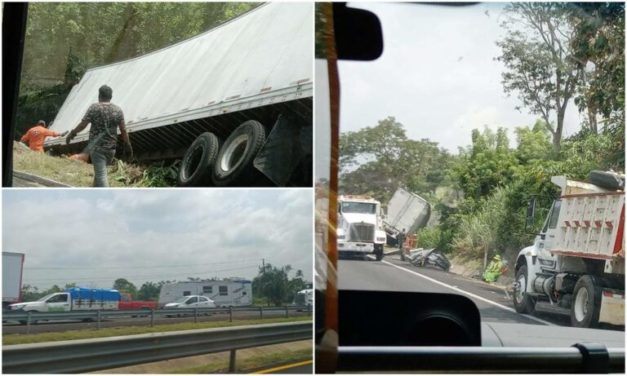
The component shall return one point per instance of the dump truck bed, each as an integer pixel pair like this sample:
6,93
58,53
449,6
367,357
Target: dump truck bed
591,225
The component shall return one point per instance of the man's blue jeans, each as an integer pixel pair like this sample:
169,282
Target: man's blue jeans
100,158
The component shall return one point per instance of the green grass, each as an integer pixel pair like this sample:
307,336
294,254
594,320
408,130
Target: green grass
15,339
252,363
80,174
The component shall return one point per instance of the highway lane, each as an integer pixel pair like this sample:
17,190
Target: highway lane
62,326
392,274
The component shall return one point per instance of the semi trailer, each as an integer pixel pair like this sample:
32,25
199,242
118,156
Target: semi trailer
234,104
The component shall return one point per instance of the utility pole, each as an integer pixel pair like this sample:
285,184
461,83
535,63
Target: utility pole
263,265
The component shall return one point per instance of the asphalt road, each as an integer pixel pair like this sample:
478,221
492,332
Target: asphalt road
62,326
392,274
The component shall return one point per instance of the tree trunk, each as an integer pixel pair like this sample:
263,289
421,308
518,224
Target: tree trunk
557,136
592,120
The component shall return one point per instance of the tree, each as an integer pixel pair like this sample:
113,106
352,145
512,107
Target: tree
123,285
539,61
598,44
272,283
149,291
377,160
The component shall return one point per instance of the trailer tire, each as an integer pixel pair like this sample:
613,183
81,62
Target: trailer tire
607,179
586,305
234,163
523,302
198,161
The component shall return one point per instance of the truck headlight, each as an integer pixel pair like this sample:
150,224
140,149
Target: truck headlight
379,239
340,237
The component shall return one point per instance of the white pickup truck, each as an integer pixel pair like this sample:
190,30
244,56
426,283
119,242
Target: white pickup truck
73,299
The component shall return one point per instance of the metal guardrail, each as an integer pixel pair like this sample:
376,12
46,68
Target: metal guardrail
31,317
105,353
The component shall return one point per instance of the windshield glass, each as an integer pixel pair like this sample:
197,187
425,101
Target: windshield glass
358,207
43,299
473,109
181,300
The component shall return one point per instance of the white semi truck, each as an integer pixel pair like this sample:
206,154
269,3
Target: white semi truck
577,261
360,226
12,267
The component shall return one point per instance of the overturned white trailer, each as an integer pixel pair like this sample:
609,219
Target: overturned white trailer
249,82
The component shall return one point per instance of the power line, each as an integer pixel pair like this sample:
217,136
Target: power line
160,276
134,266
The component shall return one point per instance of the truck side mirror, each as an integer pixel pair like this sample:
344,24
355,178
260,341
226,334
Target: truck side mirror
531,213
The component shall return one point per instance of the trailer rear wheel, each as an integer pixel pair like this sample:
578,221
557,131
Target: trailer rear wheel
235,160
586,306
198,161
523,302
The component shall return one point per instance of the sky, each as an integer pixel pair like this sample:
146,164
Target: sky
437,75
93,237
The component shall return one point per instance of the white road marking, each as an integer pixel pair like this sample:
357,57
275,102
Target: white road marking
466,293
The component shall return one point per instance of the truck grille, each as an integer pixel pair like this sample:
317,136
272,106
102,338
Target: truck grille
361,232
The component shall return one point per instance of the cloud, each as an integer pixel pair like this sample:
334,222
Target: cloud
93,237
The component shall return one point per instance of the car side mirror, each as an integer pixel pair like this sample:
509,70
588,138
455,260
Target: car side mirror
390,318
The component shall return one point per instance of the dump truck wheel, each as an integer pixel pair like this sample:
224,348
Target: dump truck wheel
198,161
523,302
234,162
586,305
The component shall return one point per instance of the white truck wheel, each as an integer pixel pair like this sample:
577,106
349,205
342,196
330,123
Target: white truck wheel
523,302
586,306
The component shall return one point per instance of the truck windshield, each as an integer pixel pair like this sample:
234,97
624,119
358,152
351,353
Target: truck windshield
358,207
45,298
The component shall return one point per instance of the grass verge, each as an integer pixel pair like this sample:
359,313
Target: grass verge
80,174
15,339
252,363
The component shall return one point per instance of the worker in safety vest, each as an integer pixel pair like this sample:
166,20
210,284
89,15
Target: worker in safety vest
36,136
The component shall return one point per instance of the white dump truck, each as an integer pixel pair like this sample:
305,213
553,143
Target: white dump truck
360,226
577,261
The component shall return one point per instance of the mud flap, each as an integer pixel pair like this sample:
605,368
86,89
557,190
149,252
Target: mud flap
612,309
288,143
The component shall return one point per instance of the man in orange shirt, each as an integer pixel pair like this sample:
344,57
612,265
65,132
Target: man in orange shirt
36,136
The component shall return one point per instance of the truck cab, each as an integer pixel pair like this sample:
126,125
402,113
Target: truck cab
360,226
57,302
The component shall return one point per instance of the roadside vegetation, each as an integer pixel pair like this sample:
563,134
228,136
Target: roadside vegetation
566,56
251,364
79,174
15,339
